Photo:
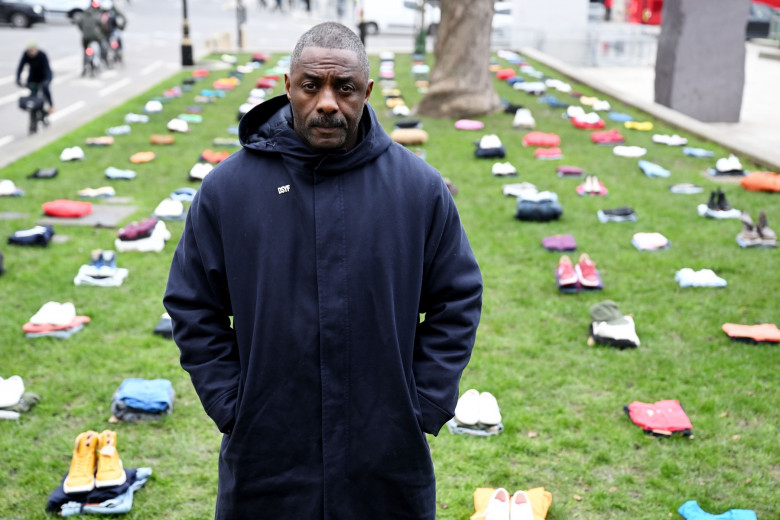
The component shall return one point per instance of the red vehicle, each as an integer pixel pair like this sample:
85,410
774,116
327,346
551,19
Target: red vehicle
649,11
646,11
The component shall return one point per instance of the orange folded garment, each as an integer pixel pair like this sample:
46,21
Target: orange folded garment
540,502
761,181
763,332
142,157
47,327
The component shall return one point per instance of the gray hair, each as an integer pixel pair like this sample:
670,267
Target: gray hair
331,35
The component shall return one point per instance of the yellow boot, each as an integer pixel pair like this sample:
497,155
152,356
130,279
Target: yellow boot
81,475
110,471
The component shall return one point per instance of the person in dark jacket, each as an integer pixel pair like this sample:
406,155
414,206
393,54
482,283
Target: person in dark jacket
39,73
325,302
91,31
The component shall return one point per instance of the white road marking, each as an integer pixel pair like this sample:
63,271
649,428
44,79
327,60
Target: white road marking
116,86
151,67
59,114
12,97
5,140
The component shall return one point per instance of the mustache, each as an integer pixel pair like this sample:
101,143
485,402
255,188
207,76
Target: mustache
327,122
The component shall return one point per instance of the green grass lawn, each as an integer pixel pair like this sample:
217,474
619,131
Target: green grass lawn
562,400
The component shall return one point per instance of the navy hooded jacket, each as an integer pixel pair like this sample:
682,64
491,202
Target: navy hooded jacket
328,378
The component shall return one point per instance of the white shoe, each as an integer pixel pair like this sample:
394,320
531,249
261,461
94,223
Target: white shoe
489,141
54,313
136,118
729,164
523,119
11,390
504,169
169,208
601,105
178,125
152,107
489,413
575,112
629,151
257,93
402,110
520,507
467,409
200,170
498,505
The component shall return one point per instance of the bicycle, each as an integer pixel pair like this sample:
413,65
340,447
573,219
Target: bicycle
93,55
34,105
115,49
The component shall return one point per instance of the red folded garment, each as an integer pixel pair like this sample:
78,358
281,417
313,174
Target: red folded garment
548,153
541,139
660,418
607,137
505,74
48,327
582,124
67,208
265,83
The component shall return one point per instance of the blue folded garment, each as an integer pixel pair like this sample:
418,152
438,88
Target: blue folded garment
515,79
698,152
652,169
620,117
150,395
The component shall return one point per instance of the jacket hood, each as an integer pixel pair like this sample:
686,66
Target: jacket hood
268,128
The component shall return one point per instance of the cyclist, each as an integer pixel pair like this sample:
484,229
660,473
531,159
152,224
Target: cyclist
112,21
39,73
91,31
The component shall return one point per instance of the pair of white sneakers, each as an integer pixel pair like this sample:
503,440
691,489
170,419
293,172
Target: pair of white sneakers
504,169
178,125
74,153
591,184
503,507
54,313
728,164
475,408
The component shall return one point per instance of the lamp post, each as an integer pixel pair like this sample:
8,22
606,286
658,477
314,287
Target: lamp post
186,44
241,22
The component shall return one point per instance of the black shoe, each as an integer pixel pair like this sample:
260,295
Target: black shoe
713,202
723,204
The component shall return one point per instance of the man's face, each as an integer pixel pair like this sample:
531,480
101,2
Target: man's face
32,51
327,91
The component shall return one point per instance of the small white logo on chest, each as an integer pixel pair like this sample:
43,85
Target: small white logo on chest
283,189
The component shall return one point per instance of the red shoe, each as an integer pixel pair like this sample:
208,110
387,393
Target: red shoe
548,153
586,272
565,272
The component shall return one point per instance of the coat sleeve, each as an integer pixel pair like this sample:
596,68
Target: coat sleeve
198,302
451,301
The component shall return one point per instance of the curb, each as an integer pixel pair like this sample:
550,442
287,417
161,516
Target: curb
723,135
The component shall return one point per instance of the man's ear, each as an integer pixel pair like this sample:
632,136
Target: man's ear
369,88
287,85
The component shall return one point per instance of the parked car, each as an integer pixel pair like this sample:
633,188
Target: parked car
73,9
21,15
389,16
760,20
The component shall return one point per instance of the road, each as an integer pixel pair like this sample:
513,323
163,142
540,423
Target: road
152,43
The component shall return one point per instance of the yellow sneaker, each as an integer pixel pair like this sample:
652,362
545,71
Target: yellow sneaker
110,471
81,475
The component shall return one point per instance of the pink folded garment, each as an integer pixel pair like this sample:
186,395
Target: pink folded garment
469,124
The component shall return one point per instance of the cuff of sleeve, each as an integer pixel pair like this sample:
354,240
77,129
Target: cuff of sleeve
223,412
434,417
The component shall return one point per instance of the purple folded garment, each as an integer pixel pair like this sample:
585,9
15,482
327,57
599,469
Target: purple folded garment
560,243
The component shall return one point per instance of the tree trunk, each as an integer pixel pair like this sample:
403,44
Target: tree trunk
461,84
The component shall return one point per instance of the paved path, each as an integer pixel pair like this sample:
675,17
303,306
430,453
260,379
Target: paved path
756,135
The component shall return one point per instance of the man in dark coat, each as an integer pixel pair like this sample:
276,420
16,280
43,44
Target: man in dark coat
39,73
354,298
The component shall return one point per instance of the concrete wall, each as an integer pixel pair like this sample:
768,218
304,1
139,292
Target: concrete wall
555,27
700,66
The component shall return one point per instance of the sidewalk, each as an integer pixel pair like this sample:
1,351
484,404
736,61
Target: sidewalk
756,136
